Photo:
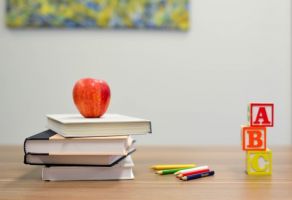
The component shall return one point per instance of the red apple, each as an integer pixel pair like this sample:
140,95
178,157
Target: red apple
91,97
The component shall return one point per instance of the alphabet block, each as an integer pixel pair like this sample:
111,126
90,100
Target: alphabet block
259,162
262,114
254,138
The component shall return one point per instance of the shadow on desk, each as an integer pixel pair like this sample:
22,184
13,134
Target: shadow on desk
33,174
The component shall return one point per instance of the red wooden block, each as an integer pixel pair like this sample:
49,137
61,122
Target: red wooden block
262,114
254,138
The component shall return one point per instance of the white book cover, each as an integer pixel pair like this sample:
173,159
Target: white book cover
106,118
75,125
120,171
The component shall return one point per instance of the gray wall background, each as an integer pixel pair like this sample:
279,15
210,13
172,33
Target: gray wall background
194,86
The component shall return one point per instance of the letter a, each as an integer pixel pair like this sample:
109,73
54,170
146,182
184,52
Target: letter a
262,114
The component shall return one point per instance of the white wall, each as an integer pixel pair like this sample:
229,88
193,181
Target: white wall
193,86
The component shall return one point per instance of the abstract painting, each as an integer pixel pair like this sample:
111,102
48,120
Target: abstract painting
103,14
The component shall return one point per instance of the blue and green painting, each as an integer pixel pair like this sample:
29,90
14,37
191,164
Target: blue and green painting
136,14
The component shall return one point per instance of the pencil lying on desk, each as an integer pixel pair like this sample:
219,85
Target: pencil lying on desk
168,171
178,166
196,176
196,170
191,169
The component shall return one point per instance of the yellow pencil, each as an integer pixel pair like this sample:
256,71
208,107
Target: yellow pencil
174,166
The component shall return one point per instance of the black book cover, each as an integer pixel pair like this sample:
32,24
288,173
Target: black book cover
49,164
45,135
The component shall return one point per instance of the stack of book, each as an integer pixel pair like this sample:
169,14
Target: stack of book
78,148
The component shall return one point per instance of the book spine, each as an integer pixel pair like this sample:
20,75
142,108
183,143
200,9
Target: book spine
150,127
25,160
24,146
25,152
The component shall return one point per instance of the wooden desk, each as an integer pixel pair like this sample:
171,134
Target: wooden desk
19,181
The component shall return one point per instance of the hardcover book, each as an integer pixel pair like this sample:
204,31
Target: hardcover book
75,160
75,125
51,143
120,171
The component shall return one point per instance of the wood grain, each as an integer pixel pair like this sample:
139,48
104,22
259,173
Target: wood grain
19,181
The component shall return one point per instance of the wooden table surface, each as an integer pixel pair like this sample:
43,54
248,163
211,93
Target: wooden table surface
19,181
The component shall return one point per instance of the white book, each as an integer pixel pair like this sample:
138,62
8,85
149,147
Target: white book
75,125
51,143
74,160
120,171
